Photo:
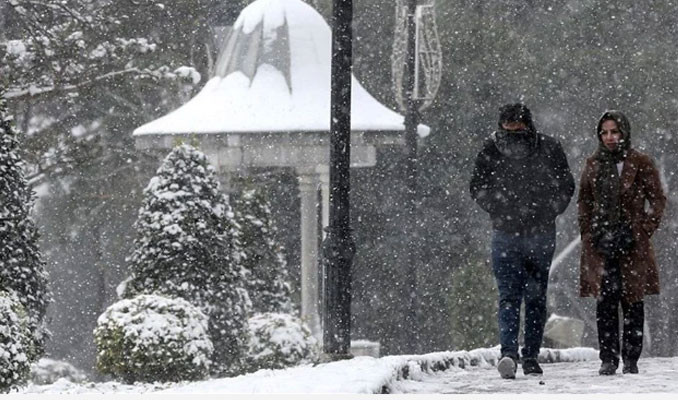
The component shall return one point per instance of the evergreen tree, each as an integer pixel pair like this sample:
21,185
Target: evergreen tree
22,270
187,246
268,283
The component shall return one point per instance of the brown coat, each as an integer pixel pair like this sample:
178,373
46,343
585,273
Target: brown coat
639,182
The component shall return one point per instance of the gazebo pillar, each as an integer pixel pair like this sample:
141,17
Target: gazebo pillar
324,175
225,182
310,293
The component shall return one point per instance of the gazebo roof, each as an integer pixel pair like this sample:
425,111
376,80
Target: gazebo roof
274,75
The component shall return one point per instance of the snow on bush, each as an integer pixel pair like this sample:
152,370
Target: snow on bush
47,371
278,341
153,338
15,342
187,246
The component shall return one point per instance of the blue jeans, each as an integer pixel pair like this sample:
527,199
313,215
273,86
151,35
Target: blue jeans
521,267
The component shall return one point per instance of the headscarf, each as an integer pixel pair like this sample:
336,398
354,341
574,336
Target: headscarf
607,181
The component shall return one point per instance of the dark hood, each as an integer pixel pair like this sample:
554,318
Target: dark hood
622,123
515,144
516,113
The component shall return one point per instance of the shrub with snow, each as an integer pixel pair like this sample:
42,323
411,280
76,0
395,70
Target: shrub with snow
47,371
15,343
278,341
152,338
187,246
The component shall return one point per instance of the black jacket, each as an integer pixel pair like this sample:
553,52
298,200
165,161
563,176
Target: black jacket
523,195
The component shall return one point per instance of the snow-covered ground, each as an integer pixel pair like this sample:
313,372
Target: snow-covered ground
657,375
472,372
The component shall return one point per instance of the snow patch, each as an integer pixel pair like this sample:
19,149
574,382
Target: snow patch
16,48
189,72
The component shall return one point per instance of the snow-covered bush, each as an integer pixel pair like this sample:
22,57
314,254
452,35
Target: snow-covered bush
187,246
15,342
47,371
278,341
22,270
263,258
153,338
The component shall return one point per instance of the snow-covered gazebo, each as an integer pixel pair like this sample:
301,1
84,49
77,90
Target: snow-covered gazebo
268,105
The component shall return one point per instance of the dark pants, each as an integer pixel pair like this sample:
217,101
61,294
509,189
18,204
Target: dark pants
521,267
607,318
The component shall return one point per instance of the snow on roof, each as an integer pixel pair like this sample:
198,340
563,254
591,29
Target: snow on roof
274,75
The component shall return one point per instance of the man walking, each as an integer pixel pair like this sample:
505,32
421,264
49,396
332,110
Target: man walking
522,179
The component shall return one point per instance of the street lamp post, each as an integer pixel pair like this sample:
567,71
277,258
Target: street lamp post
416,71
411,122
338,247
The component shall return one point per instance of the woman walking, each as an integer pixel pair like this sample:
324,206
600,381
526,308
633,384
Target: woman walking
621,203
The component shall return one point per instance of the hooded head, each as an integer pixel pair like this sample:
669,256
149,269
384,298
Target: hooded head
515,143
517,112
622,124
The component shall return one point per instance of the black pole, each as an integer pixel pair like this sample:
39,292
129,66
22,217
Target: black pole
338,247
411,342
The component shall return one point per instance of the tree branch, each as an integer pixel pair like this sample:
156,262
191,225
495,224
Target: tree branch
40,92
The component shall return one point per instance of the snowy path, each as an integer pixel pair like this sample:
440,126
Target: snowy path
577,372
657,375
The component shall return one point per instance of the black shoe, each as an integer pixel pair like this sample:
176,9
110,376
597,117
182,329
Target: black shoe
507,367
630,367
531,367
607,368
